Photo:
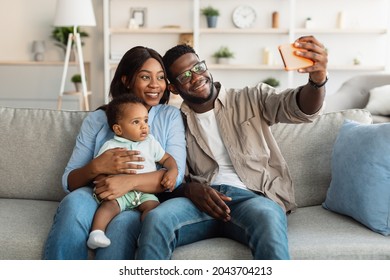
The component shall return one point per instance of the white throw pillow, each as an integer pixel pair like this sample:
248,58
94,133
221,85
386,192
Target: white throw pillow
379,101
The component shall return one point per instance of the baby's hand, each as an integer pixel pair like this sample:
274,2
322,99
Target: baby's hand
169,180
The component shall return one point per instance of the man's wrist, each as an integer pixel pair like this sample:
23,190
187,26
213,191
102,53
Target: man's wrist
317,85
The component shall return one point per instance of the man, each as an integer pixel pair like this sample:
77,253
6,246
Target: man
238,181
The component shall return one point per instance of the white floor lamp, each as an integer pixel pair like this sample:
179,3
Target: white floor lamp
74,13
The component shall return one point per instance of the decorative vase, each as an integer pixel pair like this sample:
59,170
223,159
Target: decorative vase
38,49
223,60
212,21
77,86
309,23
275,20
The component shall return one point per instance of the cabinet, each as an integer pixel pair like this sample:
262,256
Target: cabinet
362,35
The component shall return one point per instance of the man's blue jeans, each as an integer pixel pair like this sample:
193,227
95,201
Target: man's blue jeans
72,223
255,221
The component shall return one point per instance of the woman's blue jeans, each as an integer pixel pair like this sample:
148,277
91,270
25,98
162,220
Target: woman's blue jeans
68,236
255,221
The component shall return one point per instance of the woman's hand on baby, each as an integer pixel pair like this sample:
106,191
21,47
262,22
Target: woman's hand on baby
118,161
111,187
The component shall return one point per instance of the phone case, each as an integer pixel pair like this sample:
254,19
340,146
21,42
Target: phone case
292,61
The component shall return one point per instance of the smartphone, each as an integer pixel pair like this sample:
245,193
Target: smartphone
292,61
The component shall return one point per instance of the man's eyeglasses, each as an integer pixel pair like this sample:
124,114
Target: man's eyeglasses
186,76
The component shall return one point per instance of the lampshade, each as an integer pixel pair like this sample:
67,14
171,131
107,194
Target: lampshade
74,13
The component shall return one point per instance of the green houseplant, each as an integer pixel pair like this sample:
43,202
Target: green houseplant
211,15
223,55
76,80
272,82
60,34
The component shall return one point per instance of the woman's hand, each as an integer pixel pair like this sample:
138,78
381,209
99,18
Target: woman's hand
208,200
111,187
118,161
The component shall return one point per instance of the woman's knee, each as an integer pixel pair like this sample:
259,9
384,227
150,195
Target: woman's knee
78,206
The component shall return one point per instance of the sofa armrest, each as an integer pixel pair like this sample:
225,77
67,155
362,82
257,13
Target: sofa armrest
354,93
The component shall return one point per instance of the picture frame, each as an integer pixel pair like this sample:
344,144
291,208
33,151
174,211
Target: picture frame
139,16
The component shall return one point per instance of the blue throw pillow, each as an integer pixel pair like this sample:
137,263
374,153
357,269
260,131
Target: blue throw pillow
360,185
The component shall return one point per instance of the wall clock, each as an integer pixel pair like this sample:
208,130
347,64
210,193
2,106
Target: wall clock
244,16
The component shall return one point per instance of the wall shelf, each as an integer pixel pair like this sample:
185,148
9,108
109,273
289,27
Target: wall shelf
335,31
114,31
34,63
249,44
243,31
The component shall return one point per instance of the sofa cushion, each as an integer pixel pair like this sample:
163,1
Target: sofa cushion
313,234
379,101
39,144
25,225
317,234
360,186
307,149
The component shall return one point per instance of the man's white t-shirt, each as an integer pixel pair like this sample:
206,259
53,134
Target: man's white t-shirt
227,174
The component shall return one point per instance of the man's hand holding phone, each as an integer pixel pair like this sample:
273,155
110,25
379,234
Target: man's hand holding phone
291,60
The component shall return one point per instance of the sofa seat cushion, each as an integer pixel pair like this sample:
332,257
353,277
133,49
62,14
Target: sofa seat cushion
25,225
314,234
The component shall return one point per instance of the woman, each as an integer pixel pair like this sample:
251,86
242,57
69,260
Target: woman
140,72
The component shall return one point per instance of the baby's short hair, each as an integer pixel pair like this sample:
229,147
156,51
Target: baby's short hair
115,108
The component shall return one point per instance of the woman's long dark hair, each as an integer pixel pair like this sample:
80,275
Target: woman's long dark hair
128,67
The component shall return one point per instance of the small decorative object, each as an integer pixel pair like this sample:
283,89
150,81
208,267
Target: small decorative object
38,49
139,16
308,23
271,82
223,55
340,20
211,15
357,59
244,16
133,24
76,80
187,39
275,20
267,57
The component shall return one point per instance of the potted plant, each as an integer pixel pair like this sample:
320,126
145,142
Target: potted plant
223,55
308,22
76,80
60,34
211,15
272,82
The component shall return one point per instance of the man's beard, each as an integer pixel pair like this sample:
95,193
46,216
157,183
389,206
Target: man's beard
198,100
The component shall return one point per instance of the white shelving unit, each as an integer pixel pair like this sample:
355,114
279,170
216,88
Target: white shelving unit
38,73
167,20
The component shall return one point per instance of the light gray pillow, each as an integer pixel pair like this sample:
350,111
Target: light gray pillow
36,146
379,101
307,149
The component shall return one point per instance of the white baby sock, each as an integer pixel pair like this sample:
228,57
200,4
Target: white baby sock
97,239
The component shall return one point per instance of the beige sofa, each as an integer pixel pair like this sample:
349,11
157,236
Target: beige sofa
36,145
355,93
